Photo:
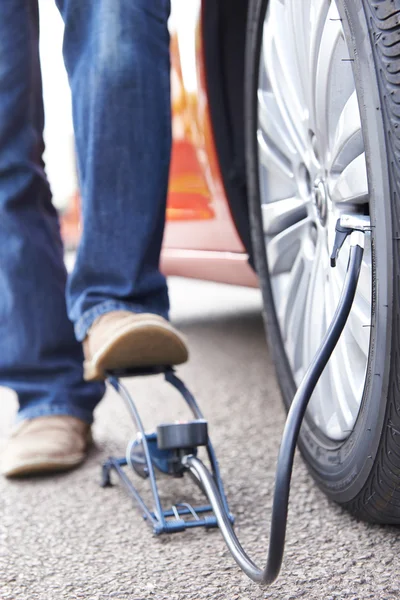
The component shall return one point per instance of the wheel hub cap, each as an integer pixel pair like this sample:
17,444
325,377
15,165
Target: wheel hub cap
321,201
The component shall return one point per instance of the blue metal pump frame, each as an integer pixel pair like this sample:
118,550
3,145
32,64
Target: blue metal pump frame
161,520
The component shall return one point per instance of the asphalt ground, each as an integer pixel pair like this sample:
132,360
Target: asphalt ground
62,537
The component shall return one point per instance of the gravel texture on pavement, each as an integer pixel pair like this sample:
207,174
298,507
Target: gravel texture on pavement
62,537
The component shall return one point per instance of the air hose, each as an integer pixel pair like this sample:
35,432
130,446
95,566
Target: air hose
354,226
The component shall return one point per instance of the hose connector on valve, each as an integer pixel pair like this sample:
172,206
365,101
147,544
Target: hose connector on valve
347,225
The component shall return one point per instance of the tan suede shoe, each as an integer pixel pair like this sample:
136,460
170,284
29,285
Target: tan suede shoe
122,339
45,444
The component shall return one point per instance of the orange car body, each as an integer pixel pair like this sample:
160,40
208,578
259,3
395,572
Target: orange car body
200,239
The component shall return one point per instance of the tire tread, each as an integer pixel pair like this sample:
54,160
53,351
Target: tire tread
379,500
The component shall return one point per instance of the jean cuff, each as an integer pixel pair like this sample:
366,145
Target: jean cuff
83,325
46,410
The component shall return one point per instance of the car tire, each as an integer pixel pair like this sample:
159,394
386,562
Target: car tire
362,471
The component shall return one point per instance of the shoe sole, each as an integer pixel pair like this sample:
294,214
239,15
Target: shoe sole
141,344
42,465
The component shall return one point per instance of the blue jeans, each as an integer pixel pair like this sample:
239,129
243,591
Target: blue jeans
117,57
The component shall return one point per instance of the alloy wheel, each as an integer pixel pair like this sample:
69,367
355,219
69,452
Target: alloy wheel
312,169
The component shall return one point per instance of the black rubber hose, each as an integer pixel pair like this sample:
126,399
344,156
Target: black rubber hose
288,444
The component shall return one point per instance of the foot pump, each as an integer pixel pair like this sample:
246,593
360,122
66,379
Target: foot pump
173,448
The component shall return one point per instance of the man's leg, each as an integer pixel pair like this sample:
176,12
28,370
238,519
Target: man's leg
117,58
40,358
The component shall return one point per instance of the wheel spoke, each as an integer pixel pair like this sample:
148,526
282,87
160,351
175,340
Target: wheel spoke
352,184
348,363
364,287
295,305
273,127
314,329
271,157
345,407
318,18
359,322
332,410
278,216
285,95
332,33
284,247
348,142
314,317
326,410
299,30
